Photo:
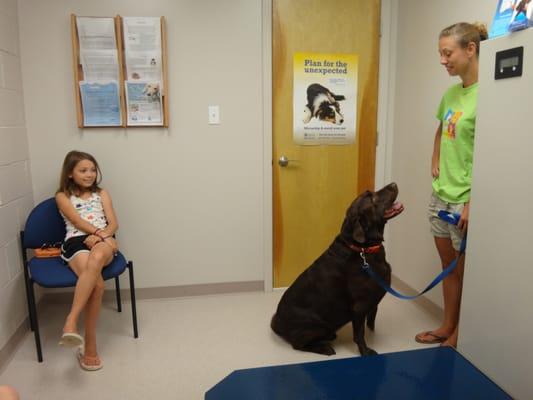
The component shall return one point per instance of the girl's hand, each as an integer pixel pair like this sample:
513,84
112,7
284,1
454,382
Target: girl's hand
91,240
463,222
435,169
113,243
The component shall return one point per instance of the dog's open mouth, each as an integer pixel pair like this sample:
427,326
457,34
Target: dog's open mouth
396,209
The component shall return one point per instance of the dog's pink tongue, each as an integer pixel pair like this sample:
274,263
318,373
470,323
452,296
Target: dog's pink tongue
396,209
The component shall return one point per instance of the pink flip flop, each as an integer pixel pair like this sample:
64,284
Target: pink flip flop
88,367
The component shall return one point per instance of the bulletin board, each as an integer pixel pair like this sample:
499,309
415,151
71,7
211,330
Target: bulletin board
120,71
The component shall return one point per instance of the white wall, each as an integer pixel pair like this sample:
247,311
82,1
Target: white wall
420,82
189,198
15,184
497,298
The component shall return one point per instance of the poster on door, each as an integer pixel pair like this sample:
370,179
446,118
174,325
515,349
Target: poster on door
324,98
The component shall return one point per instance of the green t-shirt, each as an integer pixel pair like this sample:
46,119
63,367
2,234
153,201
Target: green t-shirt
457,112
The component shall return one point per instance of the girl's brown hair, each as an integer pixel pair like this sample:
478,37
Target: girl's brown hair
466,33
66,183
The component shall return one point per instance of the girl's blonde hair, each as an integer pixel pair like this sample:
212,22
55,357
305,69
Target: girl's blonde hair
465,33
66,183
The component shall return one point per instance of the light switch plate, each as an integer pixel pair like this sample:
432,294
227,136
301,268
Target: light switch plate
214,115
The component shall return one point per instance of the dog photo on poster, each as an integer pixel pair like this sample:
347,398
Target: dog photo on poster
324,98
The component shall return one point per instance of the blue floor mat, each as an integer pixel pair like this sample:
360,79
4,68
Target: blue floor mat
438,373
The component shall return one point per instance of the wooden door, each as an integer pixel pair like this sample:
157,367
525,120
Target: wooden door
311,194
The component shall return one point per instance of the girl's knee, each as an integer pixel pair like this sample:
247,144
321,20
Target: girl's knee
100,255
99,286
8,393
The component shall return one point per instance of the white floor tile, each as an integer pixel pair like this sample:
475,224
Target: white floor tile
185,347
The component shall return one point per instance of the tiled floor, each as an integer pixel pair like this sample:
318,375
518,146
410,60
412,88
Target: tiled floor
186,346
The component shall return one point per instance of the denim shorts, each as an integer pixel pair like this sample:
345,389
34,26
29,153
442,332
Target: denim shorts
441,228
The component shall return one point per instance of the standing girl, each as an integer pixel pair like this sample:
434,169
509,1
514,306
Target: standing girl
88,247
451,165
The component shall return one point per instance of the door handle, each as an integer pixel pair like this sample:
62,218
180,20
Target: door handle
284,161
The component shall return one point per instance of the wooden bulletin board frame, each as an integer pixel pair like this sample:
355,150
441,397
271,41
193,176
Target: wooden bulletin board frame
119,37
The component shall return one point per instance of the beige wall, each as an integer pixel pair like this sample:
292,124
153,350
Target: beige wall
15,183
497,298
420,81
189,198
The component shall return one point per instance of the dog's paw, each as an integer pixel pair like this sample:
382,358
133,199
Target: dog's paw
369,352
327,350
319,348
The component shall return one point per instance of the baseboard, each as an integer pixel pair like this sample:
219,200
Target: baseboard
167,292
421,301
8,351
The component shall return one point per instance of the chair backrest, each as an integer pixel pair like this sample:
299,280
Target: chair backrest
44,225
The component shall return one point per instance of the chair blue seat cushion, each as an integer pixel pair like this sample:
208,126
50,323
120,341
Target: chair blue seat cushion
53,272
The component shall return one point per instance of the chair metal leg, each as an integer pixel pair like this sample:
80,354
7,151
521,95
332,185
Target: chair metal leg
117,292
26,278
28,300
133,304
35,323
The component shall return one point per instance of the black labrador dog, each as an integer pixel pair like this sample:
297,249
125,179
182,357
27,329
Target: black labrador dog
335,289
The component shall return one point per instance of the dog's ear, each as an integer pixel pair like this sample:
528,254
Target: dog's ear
358,231
307,115
355,214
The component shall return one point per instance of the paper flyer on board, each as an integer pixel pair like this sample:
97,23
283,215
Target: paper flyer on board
324,98
142,48
98,48
143,101
510,16
99,65
96,33
101,103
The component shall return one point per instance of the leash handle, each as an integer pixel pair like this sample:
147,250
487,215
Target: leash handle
451,218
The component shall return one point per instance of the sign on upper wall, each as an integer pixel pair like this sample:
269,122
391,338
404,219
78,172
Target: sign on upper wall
511,15
324,98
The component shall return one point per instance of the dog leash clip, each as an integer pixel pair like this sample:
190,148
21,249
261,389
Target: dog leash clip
365,263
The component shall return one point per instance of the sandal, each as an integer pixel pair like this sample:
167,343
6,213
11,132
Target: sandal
433,338
71,339
88,367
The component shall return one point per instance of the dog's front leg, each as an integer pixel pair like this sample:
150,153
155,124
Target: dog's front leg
371,318
358,326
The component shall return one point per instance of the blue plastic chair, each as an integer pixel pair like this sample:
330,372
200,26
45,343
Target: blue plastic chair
45,226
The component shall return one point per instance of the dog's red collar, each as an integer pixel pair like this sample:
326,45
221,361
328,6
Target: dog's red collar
366,250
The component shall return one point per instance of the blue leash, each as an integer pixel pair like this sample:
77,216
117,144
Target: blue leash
452,219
